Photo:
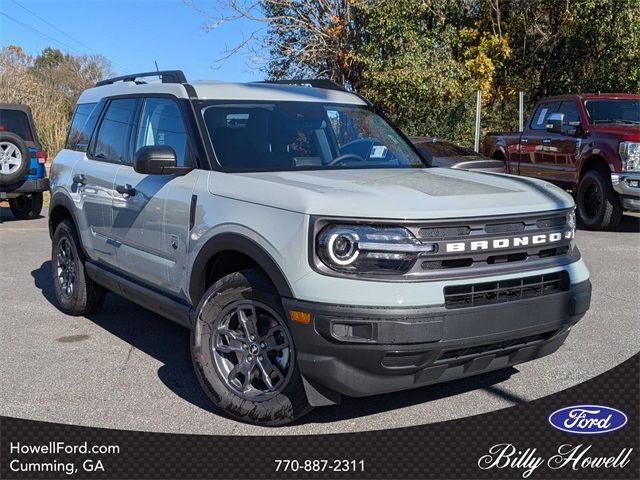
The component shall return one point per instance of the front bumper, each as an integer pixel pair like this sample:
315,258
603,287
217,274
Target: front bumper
360,351
27,186
628,187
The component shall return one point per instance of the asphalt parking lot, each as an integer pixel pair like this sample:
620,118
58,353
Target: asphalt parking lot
127,368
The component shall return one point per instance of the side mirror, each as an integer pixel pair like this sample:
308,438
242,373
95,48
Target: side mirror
157,160
554,123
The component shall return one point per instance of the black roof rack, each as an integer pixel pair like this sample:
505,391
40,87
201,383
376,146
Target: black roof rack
315,83
167,76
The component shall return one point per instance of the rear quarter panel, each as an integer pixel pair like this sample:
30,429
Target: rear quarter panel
61,183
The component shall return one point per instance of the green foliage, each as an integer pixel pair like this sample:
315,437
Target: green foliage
422,60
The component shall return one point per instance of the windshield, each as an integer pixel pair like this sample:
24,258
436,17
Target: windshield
625,111
280,136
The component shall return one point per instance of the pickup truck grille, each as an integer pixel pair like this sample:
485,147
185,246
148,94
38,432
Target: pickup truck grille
476,294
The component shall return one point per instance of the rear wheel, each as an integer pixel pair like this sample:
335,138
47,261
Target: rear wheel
26,206
244,354
14,158
598,204
76,293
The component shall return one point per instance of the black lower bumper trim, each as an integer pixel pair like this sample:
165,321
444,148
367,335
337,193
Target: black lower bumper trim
359,351
27,186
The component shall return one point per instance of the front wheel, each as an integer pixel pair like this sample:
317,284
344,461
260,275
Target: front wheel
26,206
598,204
243,352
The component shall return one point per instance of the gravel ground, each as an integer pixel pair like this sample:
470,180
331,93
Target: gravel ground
127,368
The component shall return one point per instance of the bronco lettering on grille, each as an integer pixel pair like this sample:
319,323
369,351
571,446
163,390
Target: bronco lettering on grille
499,243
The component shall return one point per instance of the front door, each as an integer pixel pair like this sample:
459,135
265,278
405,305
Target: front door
532,141
558,160
151,212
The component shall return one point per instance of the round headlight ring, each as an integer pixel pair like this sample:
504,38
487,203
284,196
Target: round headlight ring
342,248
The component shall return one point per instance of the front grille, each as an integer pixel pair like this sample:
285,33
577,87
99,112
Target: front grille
504,227
473,295
444,232
490,347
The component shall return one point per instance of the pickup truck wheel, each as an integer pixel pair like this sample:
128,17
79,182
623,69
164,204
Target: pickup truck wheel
76,293
243,352
26,206
598,204
14,158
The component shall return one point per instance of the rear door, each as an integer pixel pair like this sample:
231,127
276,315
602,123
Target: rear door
532,141
94,176
151,212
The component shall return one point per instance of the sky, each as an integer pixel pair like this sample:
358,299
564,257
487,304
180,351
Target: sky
132,34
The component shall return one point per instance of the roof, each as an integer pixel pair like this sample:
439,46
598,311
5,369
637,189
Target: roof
590,96
213,90
16,106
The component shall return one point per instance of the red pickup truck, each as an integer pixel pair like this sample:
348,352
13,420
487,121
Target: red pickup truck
587,144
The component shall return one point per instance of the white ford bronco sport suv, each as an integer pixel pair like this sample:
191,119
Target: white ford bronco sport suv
304,241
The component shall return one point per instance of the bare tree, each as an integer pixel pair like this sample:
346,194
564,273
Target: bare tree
300,37
50,88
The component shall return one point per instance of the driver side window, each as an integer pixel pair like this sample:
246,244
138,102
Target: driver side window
571,115
161,124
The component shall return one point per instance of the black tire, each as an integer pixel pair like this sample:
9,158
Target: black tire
79,295
215,311
14,158
27,206
598,204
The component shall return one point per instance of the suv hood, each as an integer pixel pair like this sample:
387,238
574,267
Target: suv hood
404,193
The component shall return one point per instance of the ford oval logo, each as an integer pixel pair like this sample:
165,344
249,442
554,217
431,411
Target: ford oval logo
588,419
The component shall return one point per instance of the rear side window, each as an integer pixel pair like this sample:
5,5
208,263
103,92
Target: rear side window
161,124
539,120
17,122
114,132
81,128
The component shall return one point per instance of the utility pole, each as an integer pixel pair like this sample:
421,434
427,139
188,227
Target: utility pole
521,109
477,140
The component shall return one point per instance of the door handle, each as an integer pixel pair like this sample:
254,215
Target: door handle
80,179
524,141
546,141
127,190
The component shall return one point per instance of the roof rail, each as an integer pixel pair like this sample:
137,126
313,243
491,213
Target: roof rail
167,76
315,83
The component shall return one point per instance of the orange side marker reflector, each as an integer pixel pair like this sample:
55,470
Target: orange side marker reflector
300,317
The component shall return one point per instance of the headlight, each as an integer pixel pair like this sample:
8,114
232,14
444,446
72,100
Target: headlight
571,221
630,155
369,249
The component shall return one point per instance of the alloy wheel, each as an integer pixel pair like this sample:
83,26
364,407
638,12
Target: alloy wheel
252,350
592,200
10,158
66,268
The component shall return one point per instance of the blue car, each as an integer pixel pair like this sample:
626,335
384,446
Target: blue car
23,177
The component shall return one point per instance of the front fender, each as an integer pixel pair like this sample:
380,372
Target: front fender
244,244
600,149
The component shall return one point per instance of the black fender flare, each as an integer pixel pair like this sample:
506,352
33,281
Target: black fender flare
59,199
240,243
